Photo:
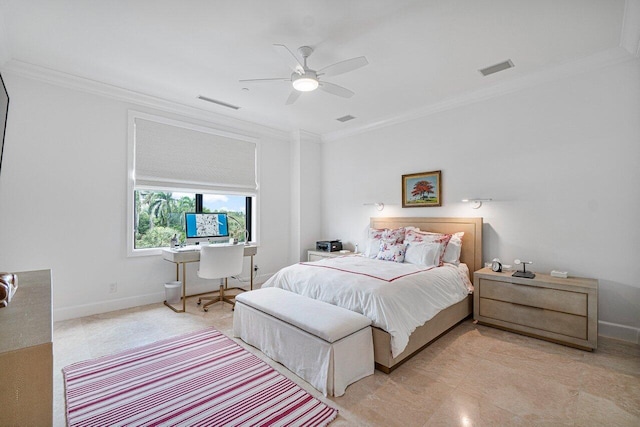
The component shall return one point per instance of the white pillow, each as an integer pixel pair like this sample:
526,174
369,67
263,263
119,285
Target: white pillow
452,252
374,239
372,248
424,253
416,236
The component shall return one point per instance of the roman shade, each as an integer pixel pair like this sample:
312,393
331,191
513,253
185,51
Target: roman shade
173,156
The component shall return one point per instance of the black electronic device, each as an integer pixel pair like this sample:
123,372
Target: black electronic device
524,273
329,245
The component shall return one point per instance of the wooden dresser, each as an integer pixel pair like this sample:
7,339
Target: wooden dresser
26,353
564,311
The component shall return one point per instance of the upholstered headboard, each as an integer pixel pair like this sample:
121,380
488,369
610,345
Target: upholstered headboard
471,253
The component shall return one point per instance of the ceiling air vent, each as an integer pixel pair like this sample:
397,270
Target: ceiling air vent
345,118
498,67
215,101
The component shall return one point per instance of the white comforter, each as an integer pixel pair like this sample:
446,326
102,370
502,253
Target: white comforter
396,297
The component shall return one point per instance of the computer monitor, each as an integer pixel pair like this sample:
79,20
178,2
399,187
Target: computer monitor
206,227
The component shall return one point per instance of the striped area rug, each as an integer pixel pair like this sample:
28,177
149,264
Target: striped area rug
198,379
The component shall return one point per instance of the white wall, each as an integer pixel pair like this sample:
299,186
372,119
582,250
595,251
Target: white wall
63,195
561,161
306,194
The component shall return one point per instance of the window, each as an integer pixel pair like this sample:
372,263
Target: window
159,215
177,167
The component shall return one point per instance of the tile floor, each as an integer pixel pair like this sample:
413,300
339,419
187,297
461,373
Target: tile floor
472,376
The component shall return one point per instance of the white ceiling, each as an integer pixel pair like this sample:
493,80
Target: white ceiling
421,52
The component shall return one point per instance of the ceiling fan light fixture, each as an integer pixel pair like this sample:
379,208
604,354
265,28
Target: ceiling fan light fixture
304,79
306,82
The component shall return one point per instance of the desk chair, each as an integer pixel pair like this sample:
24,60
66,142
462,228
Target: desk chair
216,262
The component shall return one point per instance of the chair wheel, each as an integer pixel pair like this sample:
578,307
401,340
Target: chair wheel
205,309
199,302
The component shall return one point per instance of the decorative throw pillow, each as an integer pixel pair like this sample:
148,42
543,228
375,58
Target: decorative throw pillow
390,251
376,235
396,234
422,236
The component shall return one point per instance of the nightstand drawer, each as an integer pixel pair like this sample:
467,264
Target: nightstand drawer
550,299
544,320
315,257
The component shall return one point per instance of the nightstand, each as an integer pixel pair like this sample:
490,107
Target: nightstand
564,311
313,255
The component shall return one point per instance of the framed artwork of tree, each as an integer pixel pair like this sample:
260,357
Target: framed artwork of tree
421,190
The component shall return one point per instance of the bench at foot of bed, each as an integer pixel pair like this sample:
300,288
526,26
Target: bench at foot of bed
328,346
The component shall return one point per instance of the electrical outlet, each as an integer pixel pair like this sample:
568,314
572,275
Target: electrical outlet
113,287
255,267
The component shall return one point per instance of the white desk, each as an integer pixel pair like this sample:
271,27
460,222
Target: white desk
185,257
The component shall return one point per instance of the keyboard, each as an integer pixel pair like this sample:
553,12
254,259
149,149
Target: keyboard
188,248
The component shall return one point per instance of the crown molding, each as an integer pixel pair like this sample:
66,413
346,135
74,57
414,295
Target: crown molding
70,81
599,60
301,135
310,136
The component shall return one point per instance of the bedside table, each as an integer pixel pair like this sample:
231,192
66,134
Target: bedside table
563,311
313,255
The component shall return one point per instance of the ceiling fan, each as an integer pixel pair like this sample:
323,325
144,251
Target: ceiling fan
304,79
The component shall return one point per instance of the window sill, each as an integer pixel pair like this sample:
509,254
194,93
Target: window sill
144,252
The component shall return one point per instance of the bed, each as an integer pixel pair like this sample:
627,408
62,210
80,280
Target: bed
395,299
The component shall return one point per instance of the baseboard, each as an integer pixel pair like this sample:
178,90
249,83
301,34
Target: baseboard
106,306
619,332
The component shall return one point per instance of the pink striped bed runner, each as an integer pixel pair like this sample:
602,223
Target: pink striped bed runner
198,379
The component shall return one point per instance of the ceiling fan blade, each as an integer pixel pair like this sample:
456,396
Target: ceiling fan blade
344,66
291,60
275,79
293,97
336,90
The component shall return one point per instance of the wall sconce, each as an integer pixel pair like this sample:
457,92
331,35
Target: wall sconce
476,202
379,205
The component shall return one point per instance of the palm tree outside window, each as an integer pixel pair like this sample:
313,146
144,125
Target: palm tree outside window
159,215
